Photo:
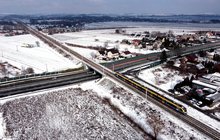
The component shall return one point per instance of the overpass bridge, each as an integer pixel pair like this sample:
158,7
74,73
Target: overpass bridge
212,133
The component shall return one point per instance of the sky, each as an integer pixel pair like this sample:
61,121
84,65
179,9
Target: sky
110,7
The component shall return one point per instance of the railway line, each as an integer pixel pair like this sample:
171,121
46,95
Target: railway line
212,133
143,59
107,72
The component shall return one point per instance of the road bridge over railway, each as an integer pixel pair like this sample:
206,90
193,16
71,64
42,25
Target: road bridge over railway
212,133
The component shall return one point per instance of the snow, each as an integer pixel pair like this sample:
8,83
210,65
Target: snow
1,128
160,76
204,84
147,75
88,38
139,109
41,58
132,105
217,114
85,52
203,118
66,113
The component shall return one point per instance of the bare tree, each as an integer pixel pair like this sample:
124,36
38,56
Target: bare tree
106,44
23,71
170,33
156,45
30,70
156,124
4,71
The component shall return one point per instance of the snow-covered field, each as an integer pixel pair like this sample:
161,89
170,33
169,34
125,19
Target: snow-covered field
96,38
41,58
163,77
70,113
81,111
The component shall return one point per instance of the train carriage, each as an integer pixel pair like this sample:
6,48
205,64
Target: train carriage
154,94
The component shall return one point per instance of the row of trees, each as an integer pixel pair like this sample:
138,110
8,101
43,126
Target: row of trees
24,71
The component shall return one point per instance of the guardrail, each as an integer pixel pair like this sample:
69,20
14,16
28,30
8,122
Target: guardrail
44,74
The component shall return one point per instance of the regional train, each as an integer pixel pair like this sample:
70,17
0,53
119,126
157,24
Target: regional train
177,107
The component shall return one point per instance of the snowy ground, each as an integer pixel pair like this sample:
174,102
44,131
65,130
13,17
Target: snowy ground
77,111
41,58
65,114
141,111
90,37
166,79
161,76
96,38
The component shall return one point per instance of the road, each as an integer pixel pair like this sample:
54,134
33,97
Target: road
37,77
47,82
107,72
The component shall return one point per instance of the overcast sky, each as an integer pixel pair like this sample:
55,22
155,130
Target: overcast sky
110,6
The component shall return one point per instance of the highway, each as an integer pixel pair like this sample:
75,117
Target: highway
47,82
107,72
37,77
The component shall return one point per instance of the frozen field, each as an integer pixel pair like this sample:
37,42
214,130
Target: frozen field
41,59
65,114
96,38
83,113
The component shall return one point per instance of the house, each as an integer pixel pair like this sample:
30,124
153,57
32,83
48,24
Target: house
102,54
196,69
108,53
192,58
113,53
125,41
120,31
210,35
126,54
136,42
210,55
200,66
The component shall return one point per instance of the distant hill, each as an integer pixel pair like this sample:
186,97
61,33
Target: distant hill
92,18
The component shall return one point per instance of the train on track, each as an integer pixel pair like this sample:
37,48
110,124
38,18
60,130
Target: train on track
170,103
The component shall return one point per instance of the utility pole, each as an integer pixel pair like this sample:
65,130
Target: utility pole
46,68
146,94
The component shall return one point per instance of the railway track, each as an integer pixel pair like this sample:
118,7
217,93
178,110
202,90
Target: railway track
212,133
105,71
